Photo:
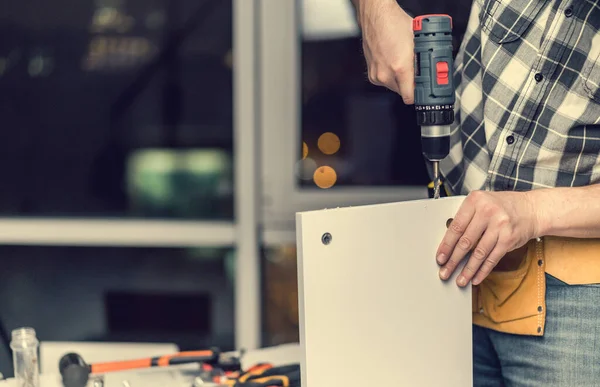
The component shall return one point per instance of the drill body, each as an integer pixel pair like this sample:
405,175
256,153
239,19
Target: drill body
434,87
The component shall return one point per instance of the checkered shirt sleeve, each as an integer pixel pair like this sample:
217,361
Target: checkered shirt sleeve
528,97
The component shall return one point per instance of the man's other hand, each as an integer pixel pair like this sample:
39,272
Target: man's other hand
489,225
388,45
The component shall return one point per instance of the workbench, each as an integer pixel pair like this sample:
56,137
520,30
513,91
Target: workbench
98,352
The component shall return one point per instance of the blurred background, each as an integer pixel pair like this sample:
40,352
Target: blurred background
154,153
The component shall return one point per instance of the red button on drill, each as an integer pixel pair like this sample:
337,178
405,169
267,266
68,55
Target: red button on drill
442,73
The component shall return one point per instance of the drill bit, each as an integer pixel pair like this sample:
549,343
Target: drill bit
436,180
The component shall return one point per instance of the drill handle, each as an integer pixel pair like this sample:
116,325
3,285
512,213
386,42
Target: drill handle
434,86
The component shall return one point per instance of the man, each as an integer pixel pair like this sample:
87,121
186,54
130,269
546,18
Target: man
526,150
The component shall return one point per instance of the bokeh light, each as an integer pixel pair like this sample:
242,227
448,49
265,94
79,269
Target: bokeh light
304,150
325,177
329,143
305,169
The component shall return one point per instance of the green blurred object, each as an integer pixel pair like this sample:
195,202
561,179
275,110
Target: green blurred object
230,261
185,184
206,253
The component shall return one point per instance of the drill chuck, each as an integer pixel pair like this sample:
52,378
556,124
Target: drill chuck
434,86
435,141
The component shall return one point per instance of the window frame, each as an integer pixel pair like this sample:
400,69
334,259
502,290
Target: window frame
266,53
240,233
280,88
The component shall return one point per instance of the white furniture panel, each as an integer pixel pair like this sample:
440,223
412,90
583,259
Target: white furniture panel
373,310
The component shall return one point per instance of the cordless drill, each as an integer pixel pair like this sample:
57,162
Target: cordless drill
434,88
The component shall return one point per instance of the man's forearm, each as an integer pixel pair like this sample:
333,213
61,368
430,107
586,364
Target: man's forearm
568,212
360,5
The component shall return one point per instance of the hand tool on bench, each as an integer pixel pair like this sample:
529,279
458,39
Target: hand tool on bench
75,371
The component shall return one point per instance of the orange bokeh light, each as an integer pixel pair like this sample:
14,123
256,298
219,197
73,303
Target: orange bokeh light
325,177
329,143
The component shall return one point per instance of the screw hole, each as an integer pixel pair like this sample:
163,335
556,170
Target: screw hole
448,222
326,238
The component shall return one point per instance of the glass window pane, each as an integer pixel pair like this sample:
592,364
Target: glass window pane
183,296
354,133
116,108
280,296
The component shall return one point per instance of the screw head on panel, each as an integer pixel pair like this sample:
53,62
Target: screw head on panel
326,238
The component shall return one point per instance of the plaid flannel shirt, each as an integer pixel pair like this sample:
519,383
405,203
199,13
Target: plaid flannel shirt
528,97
